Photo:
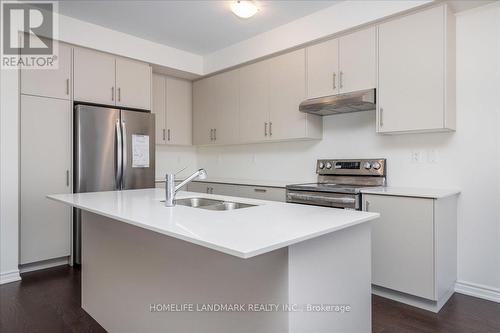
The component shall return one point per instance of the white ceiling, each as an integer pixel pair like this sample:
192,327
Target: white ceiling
200,27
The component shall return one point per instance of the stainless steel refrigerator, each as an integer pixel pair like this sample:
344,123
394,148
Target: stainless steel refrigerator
114,149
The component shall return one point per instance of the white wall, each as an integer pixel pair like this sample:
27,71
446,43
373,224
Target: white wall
324,23
172,159
468,159
9,166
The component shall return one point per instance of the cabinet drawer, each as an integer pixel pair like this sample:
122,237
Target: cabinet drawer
263,193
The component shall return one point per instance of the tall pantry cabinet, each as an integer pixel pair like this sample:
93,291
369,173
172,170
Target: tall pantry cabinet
45,160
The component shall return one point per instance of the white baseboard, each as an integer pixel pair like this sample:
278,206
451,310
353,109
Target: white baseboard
44,264
418,302
7,277
478,290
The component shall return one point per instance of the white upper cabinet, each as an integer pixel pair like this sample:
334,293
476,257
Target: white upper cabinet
133,84
204,111
358,61
416,79
105,79
254,102
172,106
287,84
342,65
179,111
159,108
323,69
94,77
55,83
227,101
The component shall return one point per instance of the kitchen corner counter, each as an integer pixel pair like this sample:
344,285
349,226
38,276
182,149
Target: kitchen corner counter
412,192
243,233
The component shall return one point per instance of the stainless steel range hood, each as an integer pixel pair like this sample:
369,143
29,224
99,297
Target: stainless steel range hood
363,100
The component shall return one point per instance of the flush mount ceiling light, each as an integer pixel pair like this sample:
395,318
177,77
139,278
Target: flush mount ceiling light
244,9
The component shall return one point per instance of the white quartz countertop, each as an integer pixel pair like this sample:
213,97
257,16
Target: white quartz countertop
244,232
241,181
432,193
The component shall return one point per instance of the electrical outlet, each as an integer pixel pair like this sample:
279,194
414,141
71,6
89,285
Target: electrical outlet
416,156
432,156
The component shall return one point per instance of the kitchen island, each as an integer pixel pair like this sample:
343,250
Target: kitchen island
269,267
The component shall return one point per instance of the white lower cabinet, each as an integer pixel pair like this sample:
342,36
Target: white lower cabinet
236,190
45,169
414,244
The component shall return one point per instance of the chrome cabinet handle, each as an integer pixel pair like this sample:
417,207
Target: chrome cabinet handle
67,178
163,131
215,134
265,129
341,79
112,93
367,206
211,135
168,134
334,80
67,87
262,190
381,117
271,128
119,94
208,190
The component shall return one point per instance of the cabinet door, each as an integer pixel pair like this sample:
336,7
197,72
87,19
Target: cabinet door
323,69
403,244
358,61
227,99
45,169
94,77
54,83
159,107
204,111
254,102
287,83
179,121
411,72
133,84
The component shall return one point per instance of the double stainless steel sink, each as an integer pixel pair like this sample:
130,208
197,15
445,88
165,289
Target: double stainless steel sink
211,204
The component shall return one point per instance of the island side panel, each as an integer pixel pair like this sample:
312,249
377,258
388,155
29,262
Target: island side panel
125,269
332,269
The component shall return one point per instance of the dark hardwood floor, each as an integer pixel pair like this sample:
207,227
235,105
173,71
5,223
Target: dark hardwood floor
48,301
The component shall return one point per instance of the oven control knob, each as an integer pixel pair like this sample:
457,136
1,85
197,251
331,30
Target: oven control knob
321,165
376,165
328,165
367,165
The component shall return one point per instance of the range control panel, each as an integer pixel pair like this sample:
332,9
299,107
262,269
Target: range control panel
363,167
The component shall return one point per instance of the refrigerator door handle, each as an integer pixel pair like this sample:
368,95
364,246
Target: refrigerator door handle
124,153
119,160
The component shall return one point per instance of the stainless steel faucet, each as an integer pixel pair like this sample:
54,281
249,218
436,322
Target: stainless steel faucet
171,189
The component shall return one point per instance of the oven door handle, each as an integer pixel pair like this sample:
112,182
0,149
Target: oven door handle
309,197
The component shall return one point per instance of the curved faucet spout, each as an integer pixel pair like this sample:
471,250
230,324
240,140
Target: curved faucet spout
171,190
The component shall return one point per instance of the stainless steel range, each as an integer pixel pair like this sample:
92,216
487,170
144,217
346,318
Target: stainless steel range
339,183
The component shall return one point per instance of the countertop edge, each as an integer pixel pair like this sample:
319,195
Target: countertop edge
219,248
413,192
